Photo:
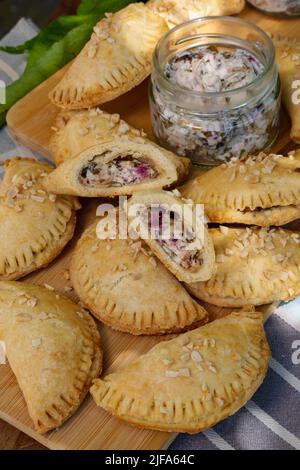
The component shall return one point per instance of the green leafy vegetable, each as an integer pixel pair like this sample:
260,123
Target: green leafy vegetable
55,46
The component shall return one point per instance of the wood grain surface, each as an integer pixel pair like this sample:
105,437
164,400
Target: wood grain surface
30,122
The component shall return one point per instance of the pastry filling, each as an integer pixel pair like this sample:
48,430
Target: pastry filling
122,171
240,125
163,227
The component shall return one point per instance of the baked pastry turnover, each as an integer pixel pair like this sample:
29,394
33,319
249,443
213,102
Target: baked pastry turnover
262,190
35,224
127,288
178,11
75,131
117,58
175,233
53,348
192,382
118,167
288,61
254,267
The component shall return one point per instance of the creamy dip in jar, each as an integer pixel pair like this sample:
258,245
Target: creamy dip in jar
278,7
215,91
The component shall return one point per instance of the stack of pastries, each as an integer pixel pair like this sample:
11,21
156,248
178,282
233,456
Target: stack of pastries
142,286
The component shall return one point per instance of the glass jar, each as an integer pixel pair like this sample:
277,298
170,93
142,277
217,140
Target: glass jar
213,127
282,8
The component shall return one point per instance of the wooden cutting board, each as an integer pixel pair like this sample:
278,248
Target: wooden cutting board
30,122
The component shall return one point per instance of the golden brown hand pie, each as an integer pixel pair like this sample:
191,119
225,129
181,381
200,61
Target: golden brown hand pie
177,237
178,11
254,267
127,288
117,58
192,382
262,190
53,348
288,61
118,167
35,225
78,130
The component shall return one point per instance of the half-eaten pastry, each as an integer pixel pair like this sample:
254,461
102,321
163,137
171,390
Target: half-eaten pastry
117,58
288,61
175,232
118,167
178,11
35,224
53,348
263,190
75,131
254,267
192,382
127,288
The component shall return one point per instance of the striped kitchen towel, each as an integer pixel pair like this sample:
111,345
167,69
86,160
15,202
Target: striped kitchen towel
271,420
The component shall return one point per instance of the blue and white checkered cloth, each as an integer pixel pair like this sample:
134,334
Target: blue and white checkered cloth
271,420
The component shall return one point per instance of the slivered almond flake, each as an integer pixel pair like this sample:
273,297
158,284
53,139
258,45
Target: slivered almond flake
284,276
176,193
167,362
224,229
171,373
213,369
32,302
232,177
153,261
185,357
163,410
291,292
94,248
37,198
66,274
196,356
83,131
36,342
220,258
123,127
68,289
49,287
115,118
52,197
220,401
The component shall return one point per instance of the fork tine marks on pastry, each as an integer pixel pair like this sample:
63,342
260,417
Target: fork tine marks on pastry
117,58
126,287
167,389
118,167
265,190
254,266
53,348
